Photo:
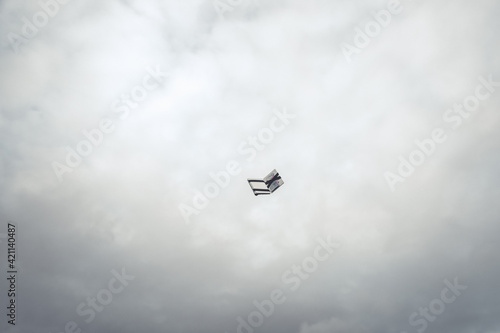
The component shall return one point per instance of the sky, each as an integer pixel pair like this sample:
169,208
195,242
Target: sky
128,130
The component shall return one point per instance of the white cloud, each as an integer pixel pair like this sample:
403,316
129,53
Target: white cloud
119,208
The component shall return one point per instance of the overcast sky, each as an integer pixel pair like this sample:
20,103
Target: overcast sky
173,91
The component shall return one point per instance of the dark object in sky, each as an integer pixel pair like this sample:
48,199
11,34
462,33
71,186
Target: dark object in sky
268,185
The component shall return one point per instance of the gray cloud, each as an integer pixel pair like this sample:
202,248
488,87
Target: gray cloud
120,207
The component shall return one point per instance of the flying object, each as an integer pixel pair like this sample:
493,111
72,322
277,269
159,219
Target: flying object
268,185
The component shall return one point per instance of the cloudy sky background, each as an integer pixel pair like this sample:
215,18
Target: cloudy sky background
120,207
